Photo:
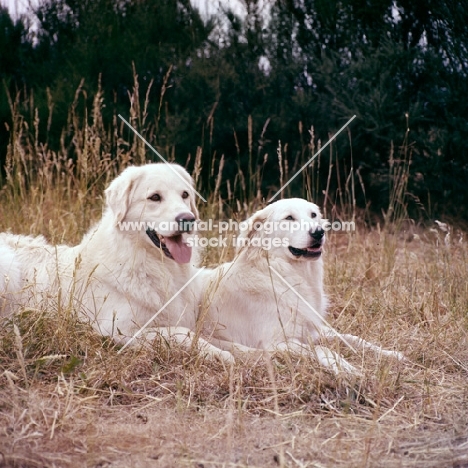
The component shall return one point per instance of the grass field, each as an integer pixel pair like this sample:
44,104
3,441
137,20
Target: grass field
68,399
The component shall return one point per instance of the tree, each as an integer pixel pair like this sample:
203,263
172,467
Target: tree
15,52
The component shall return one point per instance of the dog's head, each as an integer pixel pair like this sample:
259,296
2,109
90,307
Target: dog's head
290,228
156,201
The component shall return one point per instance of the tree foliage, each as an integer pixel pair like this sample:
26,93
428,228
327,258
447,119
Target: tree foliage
237,85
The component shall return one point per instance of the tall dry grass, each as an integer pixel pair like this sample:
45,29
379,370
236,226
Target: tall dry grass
68,399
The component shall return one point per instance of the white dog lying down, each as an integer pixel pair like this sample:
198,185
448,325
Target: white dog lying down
118,277
272,297
10,279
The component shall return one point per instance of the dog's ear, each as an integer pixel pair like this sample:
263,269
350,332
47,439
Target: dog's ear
118,193
254,225
190,184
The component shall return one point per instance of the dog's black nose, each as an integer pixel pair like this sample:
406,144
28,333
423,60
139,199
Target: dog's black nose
185,221
317,233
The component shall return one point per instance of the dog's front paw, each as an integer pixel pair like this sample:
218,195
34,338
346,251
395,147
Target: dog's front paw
215,354
394,354
225,356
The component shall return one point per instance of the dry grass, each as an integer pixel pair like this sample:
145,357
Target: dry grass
68,399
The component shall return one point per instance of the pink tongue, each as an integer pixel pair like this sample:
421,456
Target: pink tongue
180,252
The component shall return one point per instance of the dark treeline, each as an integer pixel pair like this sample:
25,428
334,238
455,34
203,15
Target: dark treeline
237,86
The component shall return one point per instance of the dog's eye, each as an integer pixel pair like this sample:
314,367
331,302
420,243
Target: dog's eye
185,194
313,215
155,197
289,218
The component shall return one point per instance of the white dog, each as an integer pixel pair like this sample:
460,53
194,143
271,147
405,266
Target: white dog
271,296
132,264
10,279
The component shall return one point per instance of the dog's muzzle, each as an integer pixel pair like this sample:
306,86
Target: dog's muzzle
185,222
157,242
173,247
315,249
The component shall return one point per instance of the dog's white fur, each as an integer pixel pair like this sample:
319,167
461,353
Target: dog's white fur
10,279
118,278
272,299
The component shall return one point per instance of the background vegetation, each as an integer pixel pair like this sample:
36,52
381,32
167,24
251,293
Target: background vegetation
237,90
